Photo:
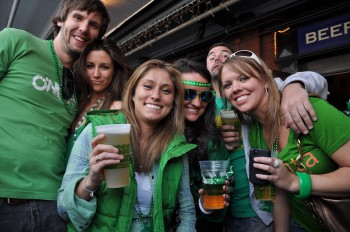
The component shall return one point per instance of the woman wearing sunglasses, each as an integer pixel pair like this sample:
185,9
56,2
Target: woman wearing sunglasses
200,129
249,86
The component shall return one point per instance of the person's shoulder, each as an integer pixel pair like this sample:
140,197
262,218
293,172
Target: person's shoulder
325,110
15,34
318,101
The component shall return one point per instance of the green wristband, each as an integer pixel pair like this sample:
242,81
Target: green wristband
305,185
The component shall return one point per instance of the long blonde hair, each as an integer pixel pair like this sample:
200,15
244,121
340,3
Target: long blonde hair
250,68
172,124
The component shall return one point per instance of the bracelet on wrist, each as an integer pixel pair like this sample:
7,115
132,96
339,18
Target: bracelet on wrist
305,185
87,190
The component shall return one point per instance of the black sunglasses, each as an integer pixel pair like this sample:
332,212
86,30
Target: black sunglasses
205,96
67,83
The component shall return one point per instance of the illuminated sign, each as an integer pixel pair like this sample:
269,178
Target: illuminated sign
324,34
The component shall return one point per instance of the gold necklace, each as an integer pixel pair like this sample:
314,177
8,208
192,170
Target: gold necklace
94,107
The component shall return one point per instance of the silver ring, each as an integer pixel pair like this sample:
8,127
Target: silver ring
97,159
276,163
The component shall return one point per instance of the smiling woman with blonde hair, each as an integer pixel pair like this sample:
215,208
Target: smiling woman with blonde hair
249,86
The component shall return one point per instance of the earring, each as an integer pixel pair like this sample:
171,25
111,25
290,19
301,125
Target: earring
266,91
133,98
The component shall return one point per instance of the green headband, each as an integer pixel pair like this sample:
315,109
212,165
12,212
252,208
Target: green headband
195,83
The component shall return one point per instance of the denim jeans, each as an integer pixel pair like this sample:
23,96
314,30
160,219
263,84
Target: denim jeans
294,227
206,226
31,216
251,224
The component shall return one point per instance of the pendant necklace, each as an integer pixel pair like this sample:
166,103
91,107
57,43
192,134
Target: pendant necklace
97,105
54,56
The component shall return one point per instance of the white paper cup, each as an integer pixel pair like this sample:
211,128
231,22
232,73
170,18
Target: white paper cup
118,135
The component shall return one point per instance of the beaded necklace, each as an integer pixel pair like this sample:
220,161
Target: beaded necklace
54,56
196,83
266,205
146,218
97,105
274,152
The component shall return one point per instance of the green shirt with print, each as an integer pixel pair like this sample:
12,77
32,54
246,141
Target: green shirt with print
34,120
331,131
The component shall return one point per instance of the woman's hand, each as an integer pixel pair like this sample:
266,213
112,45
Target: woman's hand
229,136
280,176
226,195
101,156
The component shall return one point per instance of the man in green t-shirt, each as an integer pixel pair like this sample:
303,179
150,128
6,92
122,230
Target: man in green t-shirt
244,214
38,104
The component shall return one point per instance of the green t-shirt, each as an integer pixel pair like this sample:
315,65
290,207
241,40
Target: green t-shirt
34,120
240,205
331,131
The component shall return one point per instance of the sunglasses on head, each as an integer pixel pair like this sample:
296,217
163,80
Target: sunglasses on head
246,53
67,84
205,96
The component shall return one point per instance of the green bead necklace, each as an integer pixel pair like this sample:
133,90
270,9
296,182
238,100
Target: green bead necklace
274,152
266,205
54,56
146,218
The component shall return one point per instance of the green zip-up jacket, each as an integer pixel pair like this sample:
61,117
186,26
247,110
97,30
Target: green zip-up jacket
112,209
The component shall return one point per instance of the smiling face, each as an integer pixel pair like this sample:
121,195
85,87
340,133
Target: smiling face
79,29
245,93
154,97
99,70
195,108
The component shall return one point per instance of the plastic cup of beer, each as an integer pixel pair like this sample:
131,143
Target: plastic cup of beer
229,117
118,135
213,178
265,192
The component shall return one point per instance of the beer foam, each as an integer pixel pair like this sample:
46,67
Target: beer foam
113,129
227,114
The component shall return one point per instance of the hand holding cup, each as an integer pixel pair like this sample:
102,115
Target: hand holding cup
117,135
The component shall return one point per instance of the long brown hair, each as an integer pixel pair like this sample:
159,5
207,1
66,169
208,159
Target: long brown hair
171,125
122,72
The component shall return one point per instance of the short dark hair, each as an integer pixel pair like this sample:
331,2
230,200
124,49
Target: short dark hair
68,6
224,44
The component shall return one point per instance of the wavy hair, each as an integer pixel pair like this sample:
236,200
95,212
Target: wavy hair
122,72
169,126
